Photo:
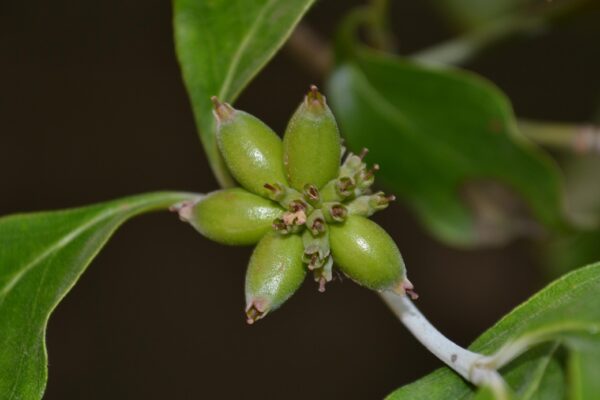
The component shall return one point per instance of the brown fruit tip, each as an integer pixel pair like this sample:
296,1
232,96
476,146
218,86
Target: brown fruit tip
222,111
255,311
314,99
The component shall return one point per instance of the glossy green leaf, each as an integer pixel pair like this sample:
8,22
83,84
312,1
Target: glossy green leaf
434,132
566,311
41,257
221,46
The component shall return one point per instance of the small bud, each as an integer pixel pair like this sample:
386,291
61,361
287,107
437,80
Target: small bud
345,187
221,111
252,151
353,163
328,193
367,254
274,273
275,191
369,204
335,212
231,216
365,178
380,201
318,246
311,194
324,274
361,206
287,197
311,143
316,223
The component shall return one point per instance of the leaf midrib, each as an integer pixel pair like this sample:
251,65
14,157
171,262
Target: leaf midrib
57,245
237,56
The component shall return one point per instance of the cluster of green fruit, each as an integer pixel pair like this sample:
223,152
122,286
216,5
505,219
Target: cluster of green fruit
304,209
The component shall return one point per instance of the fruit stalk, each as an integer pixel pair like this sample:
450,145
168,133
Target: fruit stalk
466,363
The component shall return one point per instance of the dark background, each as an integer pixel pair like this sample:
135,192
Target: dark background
92,107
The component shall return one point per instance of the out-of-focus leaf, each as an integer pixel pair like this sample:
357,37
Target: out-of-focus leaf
435,131
42,256
584,374
221,46
566,311
564,252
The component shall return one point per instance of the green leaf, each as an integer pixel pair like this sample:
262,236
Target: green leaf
485,393
41,257
567,251
552,385
221,46
435,131
584,374
567,311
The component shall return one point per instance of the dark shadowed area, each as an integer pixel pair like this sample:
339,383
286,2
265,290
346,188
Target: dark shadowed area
92,107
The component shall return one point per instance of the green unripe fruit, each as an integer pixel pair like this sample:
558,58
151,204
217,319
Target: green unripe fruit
275,272
311,144
252,151
367,254
233,216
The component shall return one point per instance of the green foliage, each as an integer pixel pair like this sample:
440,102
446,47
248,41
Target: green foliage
567,251
566,312
433,131
584,373
221,46
41,257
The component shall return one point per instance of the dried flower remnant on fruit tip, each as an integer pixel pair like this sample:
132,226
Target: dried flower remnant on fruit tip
221,111
314,99
255,311
184,209
406,288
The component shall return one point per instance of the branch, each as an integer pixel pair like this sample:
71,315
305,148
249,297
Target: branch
460,50
309,49
580,138
465,362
